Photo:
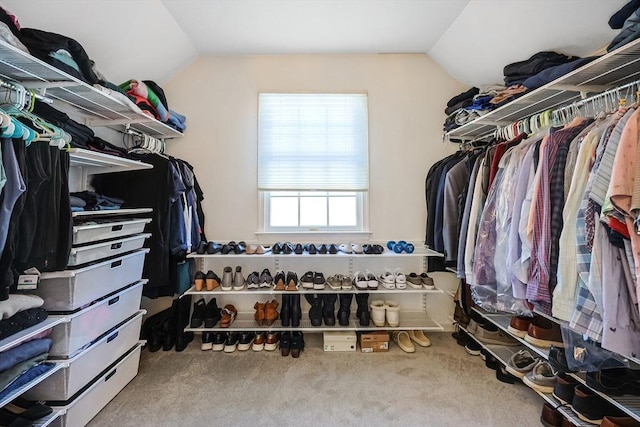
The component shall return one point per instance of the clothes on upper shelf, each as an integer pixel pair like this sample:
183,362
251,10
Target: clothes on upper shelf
518,72
627,20
171,189
92,201
551,220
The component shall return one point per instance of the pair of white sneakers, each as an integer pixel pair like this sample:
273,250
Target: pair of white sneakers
366,280
395,279
382,311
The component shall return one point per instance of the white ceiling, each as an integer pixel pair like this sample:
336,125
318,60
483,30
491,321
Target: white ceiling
472,40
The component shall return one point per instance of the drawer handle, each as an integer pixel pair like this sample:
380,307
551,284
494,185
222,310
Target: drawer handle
117,227
114,300
112,373
116,246
112,337
115,264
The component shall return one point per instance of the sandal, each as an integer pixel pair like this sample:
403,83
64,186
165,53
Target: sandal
229,313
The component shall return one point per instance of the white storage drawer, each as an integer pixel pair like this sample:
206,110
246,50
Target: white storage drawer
90,323
85,254
86,406
102,230
71,289
88,364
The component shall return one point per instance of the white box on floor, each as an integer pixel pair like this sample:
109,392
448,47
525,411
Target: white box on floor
82,409
93,321
88,364
69,290
339,340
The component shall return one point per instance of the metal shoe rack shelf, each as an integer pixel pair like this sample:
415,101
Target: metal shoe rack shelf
628,404
245,322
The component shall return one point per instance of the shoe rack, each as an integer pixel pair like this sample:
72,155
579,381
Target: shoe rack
628,404
341,263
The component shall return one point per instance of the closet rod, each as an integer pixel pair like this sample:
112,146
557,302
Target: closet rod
18,88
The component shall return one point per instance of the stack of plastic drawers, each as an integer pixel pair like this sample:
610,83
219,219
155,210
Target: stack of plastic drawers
100,297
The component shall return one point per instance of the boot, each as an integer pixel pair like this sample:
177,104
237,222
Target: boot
285,311
296,311
259,316
183,338
169,327
328,309
152,332
199,313
315,312
345,309
363,309
212,314
270,312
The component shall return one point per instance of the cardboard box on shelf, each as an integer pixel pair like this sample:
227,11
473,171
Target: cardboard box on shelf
374,342
339,341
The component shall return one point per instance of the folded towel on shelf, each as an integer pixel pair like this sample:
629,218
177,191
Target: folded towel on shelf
23,352
27,376
177,121
550,74
141,90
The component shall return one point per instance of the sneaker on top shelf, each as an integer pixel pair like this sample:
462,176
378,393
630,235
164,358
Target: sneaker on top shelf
427,281
387,280
306,281
400,279
265,279
372,281
335,282
414,281
360,280
356,248
347,283
318,281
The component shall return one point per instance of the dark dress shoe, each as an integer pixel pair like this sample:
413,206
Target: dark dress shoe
199,310
213,248
212,314
277,249
240,247
298,249
558,359
202,248
315,312
296,311
333,249
227,248
285,343
297,343
322,249
311,248
328,309
287,248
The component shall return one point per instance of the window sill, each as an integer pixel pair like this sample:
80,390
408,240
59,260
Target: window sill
291,235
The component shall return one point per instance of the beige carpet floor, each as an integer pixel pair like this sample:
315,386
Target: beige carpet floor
437,386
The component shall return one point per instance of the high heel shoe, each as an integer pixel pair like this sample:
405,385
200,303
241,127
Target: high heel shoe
297,343
259,315
213,281
198,279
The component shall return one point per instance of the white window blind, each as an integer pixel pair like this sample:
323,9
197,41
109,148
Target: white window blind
313,142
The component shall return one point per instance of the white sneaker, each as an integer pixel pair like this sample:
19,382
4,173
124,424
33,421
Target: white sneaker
356,248
345,247
360,280
377,312
372,282
400,278
393,313
387,280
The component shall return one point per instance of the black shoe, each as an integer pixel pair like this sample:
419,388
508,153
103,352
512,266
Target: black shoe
318,281
473,348
277,249
590,406
615,382
504,376
199,311
183,338
218,340
367,249
564,388
207,341
287,248
285,311
285,343
297,343
311,248
296,311
240,247
328,309
202,248
212,314
362,313
315,312
213,248
307,280
558,359
246,339
333,249
292,281
170,328
344,312
322,249
231,344
298,249
490,362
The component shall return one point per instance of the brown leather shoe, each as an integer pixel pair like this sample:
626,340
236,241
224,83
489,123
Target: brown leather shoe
272,340
550,416
519,325
258,342
544,333
270,312
229,313
619,422
259,315
566,422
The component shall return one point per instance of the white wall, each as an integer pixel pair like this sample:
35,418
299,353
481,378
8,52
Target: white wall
407,95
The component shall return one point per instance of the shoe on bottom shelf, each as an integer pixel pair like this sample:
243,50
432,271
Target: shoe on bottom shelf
590,407
521,363
245,341
619,422
297,344
419,338
218,340
565,387
207,341
550,416
271,341
541,378
258,342
473,348
402,339
285,343
231,344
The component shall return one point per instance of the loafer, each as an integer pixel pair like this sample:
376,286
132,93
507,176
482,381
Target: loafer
619,422
541,378
298,249
227,248
231,344
239,248
490,334
402,339
212,314
246,340
218,340
199,310
550,416
558,359
521,363
590,407
202,248
519,325
265,279
564,389
306,281
544,333
213,248
212,280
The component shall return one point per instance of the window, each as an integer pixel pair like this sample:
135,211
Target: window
313,163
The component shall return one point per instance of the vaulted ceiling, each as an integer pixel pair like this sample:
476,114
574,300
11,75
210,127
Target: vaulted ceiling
471,39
